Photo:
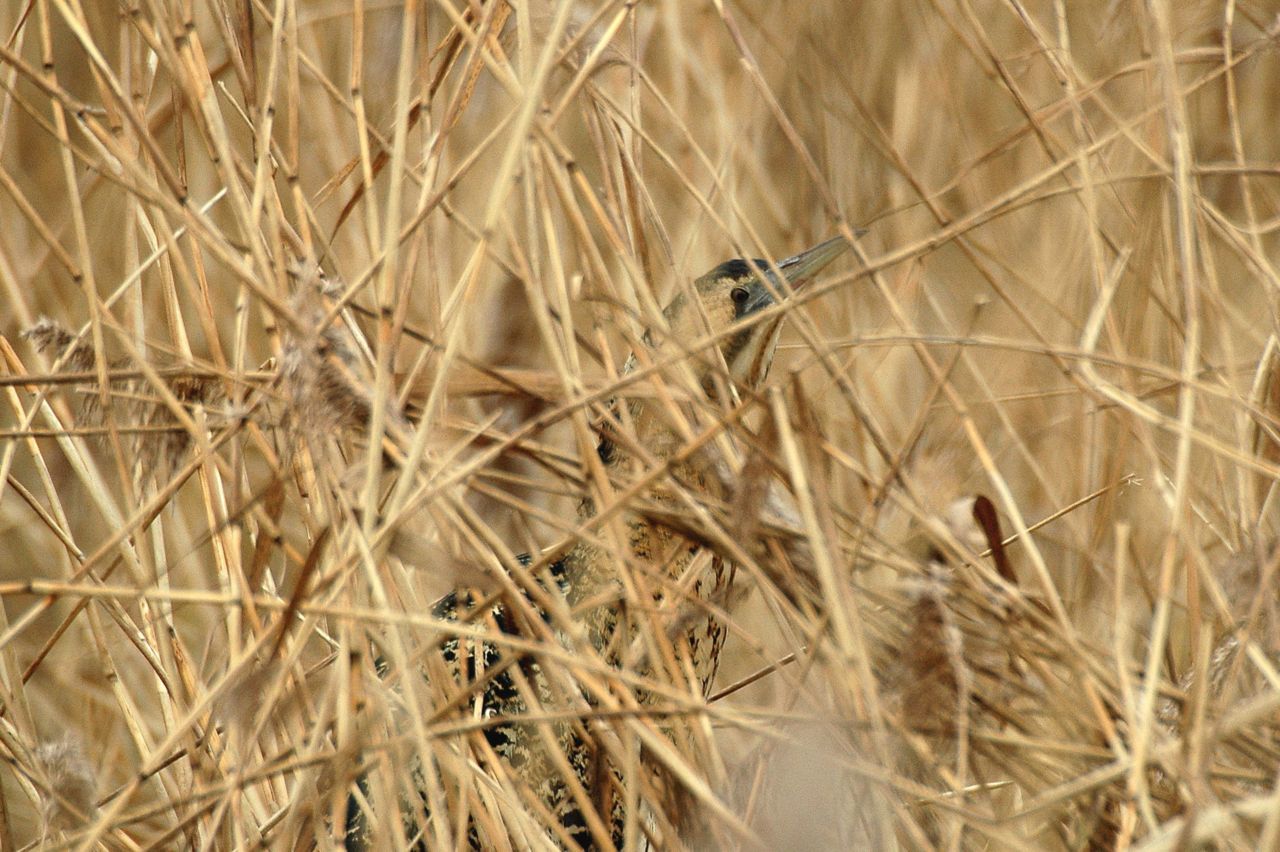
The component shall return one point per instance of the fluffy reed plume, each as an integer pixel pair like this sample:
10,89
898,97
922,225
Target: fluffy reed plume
157,442
324,374
67,784
49,337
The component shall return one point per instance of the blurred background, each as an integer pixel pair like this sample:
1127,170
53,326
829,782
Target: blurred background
1065,305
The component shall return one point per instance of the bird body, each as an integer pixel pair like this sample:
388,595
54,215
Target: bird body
659,573
722,304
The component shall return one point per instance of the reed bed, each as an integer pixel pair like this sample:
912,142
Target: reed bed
313,310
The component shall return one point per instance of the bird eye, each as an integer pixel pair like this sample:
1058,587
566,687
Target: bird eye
739,295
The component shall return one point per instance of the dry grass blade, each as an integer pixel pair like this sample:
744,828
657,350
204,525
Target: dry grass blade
379,467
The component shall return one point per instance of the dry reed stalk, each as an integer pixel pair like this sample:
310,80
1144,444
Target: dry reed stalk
338,300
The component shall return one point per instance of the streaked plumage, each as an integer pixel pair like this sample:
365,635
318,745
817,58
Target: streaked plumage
589,576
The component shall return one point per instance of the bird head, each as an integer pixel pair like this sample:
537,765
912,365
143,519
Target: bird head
735,291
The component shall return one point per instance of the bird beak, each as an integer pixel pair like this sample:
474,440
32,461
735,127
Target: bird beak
797,271
801,268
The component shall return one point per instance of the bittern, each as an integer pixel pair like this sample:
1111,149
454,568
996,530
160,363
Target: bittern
722,304
725,306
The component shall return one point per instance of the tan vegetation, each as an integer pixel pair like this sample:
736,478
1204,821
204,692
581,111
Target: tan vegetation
312,312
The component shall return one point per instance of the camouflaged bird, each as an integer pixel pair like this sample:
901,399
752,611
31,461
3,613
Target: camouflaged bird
678,572
719,303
